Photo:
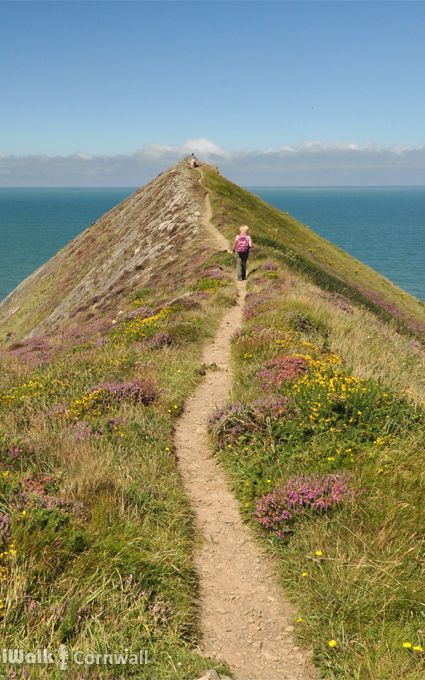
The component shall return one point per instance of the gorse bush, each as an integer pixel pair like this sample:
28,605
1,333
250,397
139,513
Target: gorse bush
102,397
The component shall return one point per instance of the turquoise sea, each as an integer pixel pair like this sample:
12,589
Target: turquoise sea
384,227
381,226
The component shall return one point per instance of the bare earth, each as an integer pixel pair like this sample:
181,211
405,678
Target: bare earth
245,619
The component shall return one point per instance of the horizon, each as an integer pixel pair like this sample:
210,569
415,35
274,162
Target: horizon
265,98
244,186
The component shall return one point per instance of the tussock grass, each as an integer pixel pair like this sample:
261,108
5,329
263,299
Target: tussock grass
91,498
355,573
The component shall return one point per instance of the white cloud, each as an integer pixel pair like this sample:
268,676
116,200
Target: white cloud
306,163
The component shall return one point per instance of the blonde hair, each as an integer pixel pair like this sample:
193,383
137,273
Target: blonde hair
244,229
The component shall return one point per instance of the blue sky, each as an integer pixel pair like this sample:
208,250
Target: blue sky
112,78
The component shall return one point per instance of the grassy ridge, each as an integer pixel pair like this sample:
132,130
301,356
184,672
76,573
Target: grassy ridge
301,249
96,532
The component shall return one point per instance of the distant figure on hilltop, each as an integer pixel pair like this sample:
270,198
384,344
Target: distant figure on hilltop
193,161
242,245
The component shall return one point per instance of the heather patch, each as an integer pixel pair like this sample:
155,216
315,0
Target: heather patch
102,397
34,351
158,341
302,496
83,430
234,422
283,369
269,266
255,302
140,313
15,453
306,323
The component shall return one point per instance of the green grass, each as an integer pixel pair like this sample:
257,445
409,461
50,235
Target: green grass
302,250
365,588
96,512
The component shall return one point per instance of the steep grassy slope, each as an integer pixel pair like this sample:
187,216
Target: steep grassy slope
150,236
303,251
324,443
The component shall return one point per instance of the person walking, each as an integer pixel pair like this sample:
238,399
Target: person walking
241,248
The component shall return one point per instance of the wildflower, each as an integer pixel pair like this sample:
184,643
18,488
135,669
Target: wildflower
418,648
269,481
304,574
318,553
407,645
299,619
332,643
277,511
167,448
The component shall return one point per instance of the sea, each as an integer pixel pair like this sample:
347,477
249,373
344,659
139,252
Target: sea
381,226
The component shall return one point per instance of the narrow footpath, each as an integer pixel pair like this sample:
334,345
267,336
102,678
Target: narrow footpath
245,619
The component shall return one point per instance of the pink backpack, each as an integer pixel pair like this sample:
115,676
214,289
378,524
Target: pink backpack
242,244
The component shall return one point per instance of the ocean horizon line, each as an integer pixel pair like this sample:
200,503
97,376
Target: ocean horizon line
245,186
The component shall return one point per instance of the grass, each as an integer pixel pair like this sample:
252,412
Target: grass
96,531
97,535
324,387
303,251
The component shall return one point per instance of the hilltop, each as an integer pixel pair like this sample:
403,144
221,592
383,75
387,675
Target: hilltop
147,406
151,237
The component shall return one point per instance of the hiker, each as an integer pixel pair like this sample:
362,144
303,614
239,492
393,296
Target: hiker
243,243
193,161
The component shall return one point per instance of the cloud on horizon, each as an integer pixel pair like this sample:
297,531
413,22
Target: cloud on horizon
308,163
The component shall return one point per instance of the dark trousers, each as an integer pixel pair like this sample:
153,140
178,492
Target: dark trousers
241,260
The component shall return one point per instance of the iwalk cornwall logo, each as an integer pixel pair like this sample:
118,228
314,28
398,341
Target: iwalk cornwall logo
63,657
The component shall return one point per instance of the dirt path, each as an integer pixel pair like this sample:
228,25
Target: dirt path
245,619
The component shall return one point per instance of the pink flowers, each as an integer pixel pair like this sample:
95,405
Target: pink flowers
304,494
283,369
139,391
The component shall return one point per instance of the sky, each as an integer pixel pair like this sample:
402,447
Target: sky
110,92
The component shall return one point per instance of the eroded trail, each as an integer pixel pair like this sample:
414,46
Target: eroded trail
245,619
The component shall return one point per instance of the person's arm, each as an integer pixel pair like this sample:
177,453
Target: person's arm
250,241
234,245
